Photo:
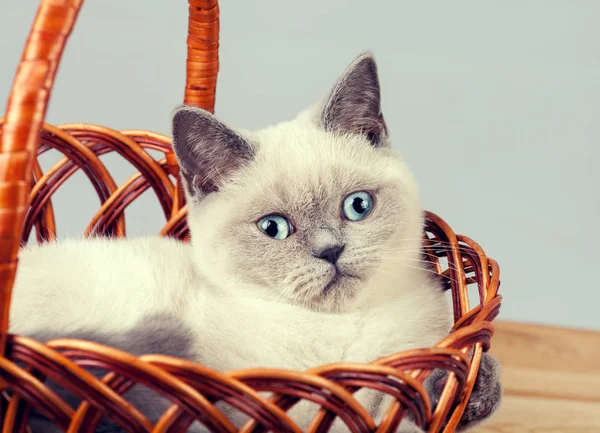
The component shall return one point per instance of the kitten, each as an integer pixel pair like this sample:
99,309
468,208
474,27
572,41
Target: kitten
306,243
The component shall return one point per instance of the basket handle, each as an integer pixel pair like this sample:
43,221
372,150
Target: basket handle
202,64
26,110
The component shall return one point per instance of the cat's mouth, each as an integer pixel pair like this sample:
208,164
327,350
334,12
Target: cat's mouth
338,279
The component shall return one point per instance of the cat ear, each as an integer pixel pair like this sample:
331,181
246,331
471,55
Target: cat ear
354,104
208,151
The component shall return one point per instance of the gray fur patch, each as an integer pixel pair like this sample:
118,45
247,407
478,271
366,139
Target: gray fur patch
155,334
207,150
485,397
354,105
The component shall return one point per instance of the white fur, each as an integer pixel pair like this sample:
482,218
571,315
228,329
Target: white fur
110,285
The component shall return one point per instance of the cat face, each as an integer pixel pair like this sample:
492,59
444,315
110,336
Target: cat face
312,212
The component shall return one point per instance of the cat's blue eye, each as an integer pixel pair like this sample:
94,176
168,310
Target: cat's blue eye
275,226
357,206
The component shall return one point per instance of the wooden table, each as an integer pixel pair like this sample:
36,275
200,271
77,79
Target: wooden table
551,380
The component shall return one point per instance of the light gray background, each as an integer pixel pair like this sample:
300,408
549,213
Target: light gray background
496,106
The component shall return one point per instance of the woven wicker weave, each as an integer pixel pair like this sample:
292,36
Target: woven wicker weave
25,204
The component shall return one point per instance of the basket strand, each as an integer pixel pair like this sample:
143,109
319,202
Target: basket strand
20,139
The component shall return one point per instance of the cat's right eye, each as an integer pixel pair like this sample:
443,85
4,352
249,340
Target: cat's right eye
275,226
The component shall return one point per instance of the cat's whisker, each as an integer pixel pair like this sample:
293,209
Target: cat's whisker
400,251
421,269
447,265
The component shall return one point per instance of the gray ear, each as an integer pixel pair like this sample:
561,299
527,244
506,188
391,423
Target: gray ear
354,105
208,151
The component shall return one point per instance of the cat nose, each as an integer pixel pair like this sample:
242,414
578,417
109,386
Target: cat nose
331,254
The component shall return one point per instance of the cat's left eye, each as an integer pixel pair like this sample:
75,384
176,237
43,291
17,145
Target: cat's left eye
357,206
275,226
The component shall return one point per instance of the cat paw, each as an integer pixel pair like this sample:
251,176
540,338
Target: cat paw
485,397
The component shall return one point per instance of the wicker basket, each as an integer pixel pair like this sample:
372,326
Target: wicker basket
25,204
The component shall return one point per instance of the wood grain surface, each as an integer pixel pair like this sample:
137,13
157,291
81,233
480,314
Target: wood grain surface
551,380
